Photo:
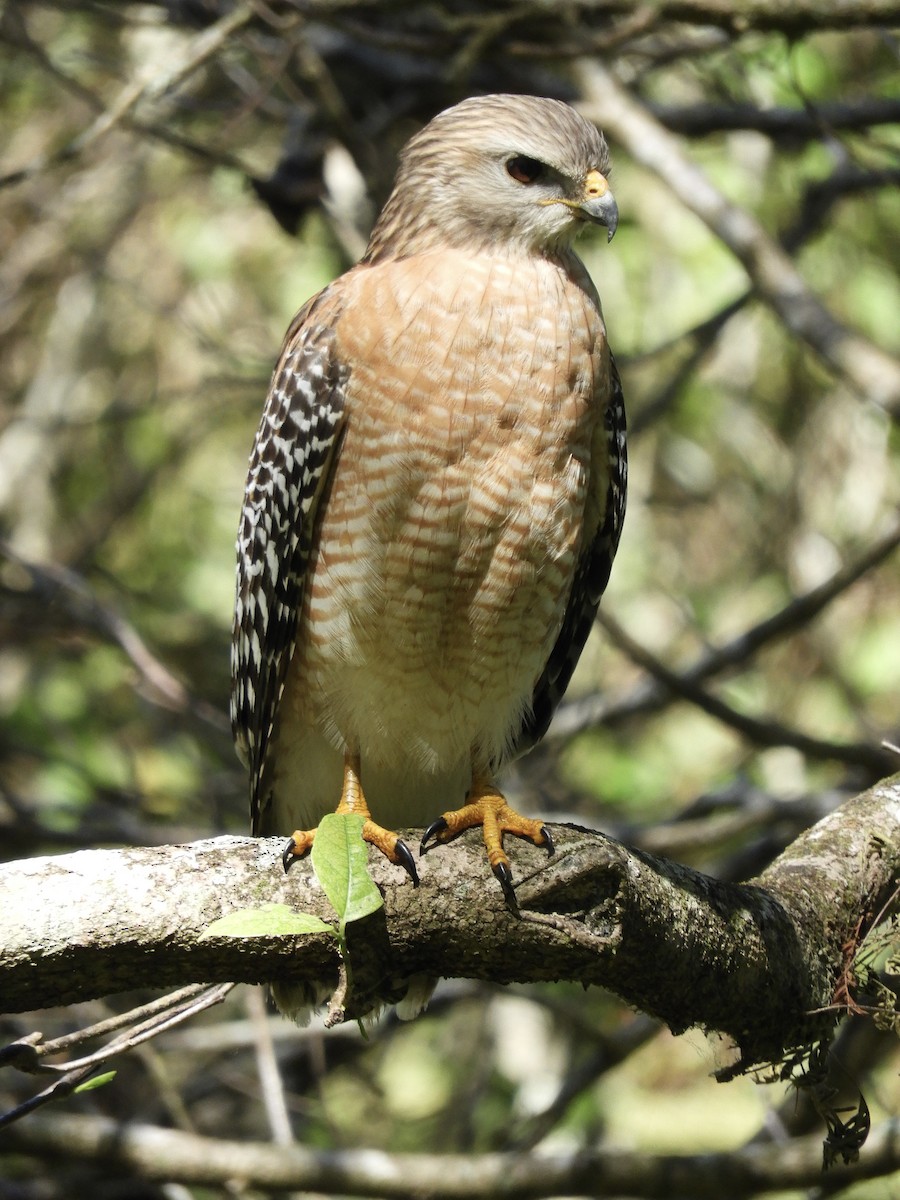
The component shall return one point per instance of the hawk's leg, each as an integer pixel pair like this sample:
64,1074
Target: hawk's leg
354,801
487,807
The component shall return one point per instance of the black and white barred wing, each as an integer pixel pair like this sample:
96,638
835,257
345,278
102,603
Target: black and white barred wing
293,453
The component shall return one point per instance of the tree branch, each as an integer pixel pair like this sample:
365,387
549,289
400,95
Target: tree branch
868,369
652,694
170,1155
761,732
790,124
751,960
798,17
147,89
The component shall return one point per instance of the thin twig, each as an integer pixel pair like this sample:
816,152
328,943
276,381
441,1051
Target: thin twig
147,1021
270,1081
760,732
818,200
193,54
592,710
698,120
867,368
41,1049
194,1000
615,1048
52,583
169,1154
15,35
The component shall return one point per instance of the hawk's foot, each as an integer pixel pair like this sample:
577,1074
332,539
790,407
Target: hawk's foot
487,807
392,847
299,843
352,800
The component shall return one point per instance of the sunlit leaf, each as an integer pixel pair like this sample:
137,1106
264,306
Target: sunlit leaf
96,1081
267,921
340,859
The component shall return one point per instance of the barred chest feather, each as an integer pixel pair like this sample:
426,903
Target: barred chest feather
472,471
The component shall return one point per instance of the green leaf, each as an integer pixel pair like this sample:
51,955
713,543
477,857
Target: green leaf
340,859
95,1082
267,921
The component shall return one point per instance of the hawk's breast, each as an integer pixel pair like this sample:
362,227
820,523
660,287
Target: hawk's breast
464,490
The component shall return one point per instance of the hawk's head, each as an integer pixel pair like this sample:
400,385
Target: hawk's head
519,172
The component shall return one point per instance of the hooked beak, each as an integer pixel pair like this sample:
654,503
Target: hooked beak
598,204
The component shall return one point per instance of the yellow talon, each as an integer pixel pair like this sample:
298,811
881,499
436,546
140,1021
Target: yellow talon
487,807
353,801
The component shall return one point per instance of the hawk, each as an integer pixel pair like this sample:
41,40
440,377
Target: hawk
435,493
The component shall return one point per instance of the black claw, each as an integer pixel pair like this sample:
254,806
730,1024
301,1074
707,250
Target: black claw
433,830
288,858
548,841
504,874
407,862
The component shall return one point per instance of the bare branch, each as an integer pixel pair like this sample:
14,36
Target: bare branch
168,1154
749,960
15,35
38,1049
760,731
144,90
587,711
794,124
52,584
28,1054
868,369
799,16
614,1048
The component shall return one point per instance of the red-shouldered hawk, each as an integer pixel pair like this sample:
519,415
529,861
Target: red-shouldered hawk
436,492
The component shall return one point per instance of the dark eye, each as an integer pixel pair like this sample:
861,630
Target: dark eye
525,170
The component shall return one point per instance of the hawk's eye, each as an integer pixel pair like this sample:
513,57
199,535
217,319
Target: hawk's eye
525,170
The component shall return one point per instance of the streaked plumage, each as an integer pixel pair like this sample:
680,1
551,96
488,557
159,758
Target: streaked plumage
437,487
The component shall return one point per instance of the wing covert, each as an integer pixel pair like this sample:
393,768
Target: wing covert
293,453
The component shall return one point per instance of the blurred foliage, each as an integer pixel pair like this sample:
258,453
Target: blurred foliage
145,282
